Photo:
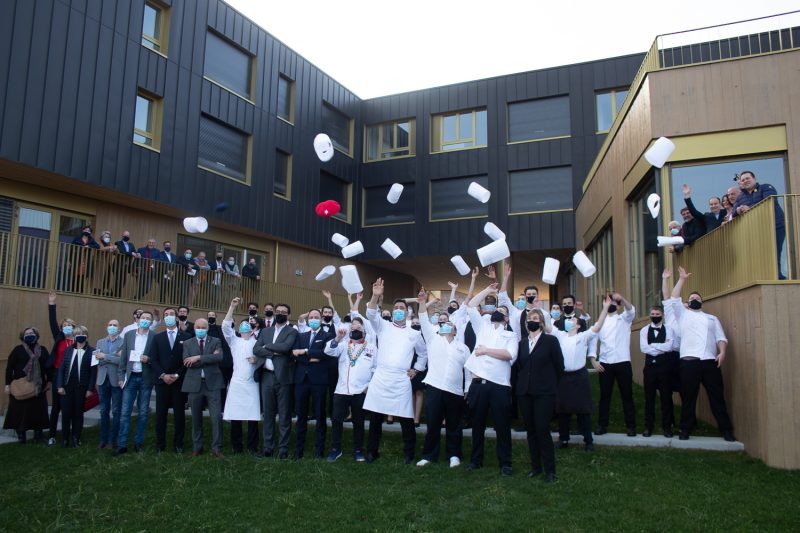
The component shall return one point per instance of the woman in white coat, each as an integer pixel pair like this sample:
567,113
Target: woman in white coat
243,399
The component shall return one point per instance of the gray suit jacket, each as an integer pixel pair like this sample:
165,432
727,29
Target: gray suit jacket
125,366
108,367
210,359
279,351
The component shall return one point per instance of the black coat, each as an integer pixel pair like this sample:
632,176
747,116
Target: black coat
710,221
166,360
540,370
88,373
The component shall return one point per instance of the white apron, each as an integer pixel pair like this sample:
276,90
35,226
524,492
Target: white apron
389,393
243,401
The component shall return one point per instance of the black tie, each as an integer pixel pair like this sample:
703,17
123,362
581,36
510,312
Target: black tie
656,335
201,347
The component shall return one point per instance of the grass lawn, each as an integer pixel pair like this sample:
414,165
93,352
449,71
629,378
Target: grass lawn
612,489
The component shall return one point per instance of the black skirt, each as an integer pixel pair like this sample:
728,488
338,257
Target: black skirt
416,381
23,415
574,393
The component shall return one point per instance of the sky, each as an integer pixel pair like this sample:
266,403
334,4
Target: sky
376,48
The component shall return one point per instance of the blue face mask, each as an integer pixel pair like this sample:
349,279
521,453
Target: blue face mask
675,231
187,256
144,323
555,314
112,330
445,329
67,330
434,319
201,333
520,304
244,327
569,325
490,308
170,321
398,315
314,323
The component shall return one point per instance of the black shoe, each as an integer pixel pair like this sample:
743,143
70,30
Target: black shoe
297,456
472,466
601,430
408,460
65,444
563,444
550,478
371,458
317,455
22,437
534,473
76,443
505,471
588,447
684,435
631,432
137,448
283,455
417,424
159,449
120,451
647,433
668,433
265,453
728,436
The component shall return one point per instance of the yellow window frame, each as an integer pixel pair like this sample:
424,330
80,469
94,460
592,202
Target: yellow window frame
291,89
614,109
411,146
162,27
438,129
155,113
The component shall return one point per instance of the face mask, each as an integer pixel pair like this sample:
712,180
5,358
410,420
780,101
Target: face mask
490,308
555,314
126,238
281,319
347,319
219,258
201,333
67,330
269,314
29,339
314,323
252,312
445,329
212,320
112,330
356,334
253,324
187,256
398,315
568,309
434,320
612,309
452,309
675,231
695,304
533,326
656,320
569,325
86,234
387,318
106,240
327,319
167,248
183,318
201,259
530,299
497,316
80,338
244,327
520,304
170,321
144,323
416,327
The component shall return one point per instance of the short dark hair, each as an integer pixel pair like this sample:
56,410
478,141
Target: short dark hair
22,333
165,242
568,296
314,309
170,309
324,307
184,307
399,301
270,304
288,309
148,312
697,293
657,307
254,304
531,288
717,198
359,320
748,172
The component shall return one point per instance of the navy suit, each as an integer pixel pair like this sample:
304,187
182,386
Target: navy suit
168,293
76,380
311,379
169,360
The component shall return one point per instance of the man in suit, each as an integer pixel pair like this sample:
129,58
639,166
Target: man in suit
184,324
274,353
226,366
136,379
167,283
203,381
127,253
149,255
167,365
311,379
568,313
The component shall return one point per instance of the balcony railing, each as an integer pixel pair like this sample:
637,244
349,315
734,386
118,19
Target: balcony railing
39,264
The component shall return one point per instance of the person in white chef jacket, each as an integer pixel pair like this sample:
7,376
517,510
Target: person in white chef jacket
389,392
243,399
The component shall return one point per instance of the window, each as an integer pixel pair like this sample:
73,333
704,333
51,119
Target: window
228,66
601,254
533,120
454,131
339,128
223,149
608,104
391,139
155,24
379,212
333,188
541,189
285,98
283,174
147,121
449,199
646,262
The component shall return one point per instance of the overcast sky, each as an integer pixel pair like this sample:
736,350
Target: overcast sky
376,47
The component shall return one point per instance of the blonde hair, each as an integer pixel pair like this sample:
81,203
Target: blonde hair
78,330
537,312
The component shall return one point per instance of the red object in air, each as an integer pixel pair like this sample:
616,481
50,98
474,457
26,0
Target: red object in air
328,208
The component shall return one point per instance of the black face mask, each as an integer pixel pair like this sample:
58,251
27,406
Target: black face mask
530,299
612,309
183,318
212,320
387,318
568,309
347,319
80,338
451,310
695,304
269,314
356,334
167,248
533,326
497,316
30,339
327,319
252,312
126,238
281,319
656,320
86,234
416,327
219,258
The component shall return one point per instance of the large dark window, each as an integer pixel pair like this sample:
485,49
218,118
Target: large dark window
338,126
377,210
285,98
540,189
333,188
449,198
543,118
223,149
228,65
283,174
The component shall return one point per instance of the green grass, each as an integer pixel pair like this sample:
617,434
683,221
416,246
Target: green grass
611,489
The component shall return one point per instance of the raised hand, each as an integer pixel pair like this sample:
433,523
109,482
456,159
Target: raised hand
377,287
508,269
422,297
327,294
687,192
341,334
452,285
490,272
683,274
235,302
359,297
606,302
666,274
475,272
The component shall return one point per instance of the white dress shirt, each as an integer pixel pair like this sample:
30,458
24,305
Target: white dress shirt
130,327
575,347
139,346
615,337
354,375
699,331
514,314
396,345
445,359
657,348
485,366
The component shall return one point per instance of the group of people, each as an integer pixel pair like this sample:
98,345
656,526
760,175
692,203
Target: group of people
482,355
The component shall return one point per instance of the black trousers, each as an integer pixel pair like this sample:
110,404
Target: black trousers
622,373
584,426
252,436
537,411
376,430
317,393
442,404
484,396
72,412
693,373
341,403
55,411
170,397
657,374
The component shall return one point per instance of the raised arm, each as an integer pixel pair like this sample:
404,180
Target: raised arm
475,272
453,287
227,322
506,277
478,298
603,314
682,277
427,327
377,292
51,312
665,290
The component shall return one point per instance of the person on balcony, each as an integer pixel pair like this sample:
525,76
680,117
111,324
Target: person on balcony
106,266
167,283
187,285
127,251
752,193
81,261
149,255
713,218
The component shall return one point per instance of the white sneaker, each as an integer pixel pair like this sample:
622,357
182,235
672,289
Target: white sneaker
423,462
454,462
